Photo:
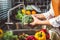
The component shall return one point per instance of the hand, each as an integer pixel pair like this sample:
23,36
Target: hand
40,16
36,21
36,15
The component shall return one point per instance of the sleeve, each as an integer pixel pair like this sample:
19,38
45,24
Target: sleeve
55,22
50,13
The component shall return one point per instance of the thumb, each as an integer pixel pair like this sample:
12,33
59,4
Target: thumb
33,17
32,23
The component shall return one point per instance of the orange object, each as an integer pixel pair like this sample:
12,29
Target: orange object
33,12
56,7
28,12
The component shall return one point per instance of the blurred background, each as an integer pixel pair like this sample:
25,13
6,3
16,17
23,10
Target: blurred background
5,5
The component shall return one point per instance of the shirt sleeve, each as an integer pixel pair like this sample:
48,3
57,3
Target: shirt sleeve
50,13
55,22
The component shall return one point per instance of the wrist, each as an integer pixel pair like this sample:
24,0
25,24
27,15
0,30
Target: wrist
44,22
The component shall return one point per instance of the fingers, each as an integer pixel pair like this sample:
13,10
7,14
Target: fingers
33,17
32,23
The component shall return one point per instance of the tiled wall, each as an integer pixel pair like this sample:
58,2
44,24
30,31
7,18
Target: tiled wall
42,4
5,5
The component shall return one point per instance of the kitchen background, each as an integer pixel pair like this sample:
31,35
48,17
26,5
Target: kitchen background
11,27
5,5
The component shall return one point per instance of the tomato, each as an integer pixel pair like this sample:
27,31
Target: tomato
28,12
33,12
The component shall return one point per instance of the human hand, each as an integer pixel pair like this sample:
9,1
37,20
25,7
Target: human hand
40,16
36,21
36,15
